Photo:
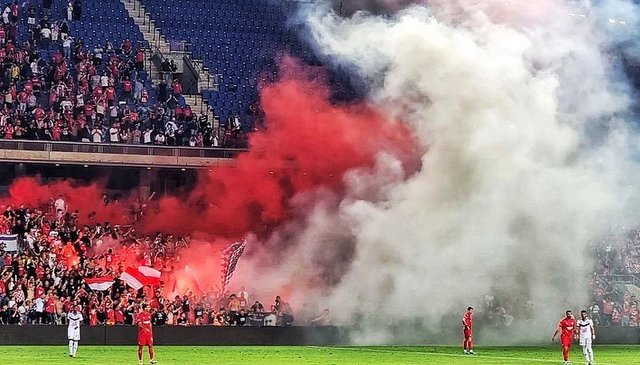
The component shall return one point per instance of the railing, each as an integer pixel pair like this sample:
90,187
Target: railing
119,149
146,21
626,279
212,81
158,57
180,47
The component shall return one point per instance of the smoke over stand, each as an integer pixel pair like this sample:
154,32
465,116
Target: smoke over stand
504,99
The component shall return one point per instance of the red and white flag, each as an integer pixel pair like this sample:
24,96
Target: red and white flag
152,276
143,275
230,257
99,284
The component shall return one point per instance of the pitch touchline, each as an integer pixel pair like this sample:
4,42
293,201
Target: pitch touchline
444,354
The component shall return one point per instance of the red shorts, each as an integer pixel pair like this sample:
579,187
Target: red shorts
565,341
467,334
145,339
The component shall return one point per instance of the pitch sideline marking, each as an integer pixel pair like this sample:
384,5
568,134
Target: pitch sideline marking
445,354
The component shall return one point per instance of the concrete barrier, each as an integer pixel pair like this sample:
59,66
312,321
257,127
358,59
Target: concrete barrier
176,335
229,336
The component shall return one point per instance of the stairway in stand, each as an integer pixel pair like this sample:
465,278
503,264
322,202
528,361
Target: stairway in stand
158,41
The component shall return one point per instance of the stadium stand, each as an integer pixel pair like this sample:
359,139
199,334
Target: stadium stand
49,270
616,280
81,75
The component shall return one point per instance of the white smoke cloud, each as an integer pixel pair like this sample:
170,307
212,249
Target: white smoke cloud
523,117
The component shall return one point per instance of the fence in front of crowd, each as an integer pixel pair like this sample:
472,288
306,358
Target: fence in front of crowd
110,154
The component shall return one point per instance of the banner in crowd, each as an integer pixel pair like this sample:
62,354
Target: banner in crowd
9,242
230,257
143,275
99,284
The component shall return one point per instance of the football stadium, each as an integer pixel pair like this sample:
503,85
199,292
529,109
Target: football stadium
320,182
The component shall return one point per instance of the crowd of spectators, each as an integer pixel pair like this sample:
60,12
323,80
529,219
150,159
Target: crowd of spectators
55,88
47,276
617,262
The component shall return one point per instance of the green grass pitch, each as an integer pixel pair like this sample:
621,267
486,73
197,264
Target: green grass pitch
338,355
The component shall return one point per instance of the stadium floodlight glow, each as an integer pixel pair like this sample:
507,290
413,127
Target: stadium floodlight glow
85,165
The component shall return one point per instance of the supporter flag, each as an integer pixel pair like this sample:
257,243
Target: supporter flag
194,276
99,284
143,275
230,257
9,242
152,276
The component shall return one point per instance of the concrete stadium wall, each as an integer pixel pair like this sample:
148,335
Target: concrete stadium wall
176,335
227,336
617,335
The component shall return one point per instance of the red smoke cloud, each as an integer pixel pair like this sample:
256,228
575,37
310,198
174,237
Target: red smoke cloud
308,143
31,192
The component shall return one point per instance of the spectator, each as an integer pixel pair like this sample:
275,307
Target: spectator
70,11
31,17
324,319
66,46
257,307
64,30
147,136
270,320
176,88
45,36
55,32
39,308
126,47
140,59
160,139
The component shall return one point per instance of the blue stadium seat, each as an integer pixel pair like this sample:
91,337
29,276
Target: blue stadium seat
238,39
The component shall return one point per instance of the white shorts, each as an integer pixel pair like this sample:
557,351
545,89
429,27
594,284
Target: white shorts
585,341
73,334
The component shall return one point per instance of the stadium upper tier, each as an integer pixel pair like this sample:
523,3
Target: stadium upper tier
83,73
80,72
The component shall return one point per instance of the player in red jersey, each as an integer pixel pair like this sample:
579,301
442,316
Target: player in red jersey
567,329
145,334
467,331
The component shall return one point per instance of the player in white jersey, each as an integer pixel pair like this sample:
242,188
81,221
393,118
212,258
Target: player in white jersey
73,331
587,335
